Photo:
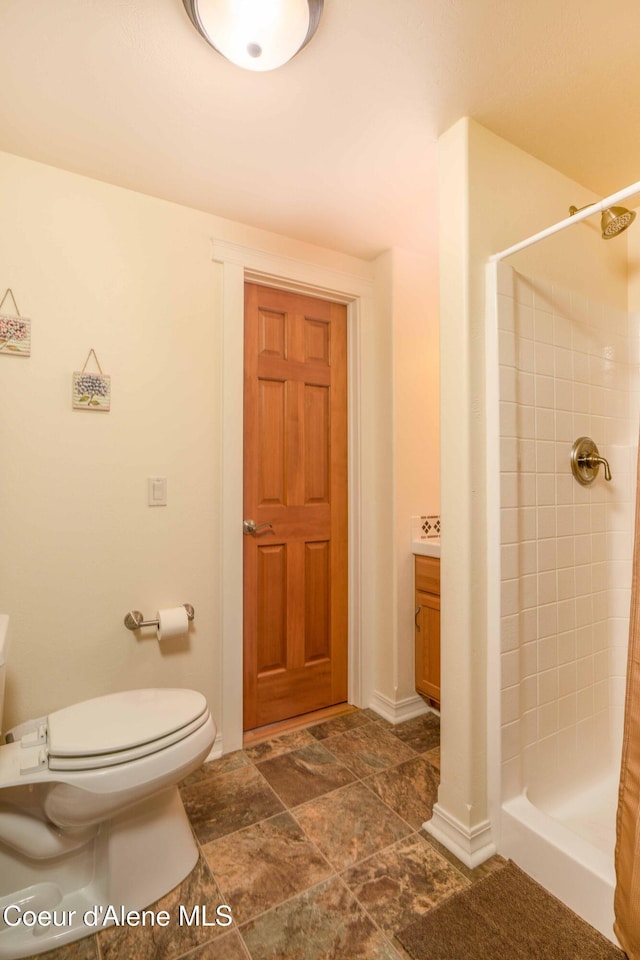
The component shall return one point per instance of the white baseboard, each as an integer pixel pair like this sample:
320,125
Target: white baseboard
472,845
395,711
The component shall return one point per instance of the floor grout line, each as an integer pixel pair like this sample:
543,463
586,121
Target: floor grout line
368,915
325,832
335,873
358,779
314,886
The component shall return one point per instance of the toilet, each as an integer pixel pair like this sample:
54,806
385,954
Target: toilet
90,813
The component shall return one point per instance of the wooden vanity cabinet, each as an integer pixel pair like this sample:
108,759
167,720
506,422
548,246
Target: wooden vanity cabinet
427,621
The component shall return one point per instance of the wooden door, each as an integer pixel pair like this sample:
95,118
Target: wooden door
295,478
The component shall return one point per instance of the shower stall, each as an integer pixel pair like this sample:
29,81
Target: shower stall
560,367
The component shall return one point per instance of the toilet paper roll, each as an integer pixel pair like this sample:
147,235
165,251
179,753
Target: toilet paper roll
172,623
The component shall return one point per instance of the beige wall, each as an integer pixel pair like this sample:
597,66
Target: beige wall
98,266
405,394
416,431
131,276
633,248
492,195
512,195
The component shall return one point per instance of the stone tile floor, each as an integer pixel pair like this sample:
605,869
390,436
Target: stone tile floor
314,839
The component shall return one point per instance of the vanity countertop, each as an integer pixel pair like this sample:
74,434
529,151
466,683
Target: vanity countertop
426,548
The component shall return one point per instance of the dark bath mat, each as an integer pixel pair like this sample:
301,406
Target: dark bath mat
505,916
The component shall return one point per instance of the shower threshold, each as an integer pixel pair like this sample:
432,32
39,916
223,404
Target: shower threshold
558,855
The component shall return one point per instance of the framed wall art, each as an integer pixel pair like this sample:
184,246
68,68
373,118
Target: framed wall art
15,330
91,391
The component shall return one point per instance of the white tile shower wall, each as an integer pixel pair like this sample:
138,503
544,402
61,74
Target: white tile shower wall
568,368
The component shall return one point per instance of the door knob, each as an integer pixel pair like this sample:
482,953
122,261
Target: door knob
251,527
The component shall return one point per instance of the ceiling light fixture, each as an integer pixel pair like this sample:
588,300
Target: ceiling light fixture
256,34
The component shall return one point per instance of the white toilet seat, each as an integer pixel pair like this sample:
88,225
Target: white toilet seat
110,745
100,760
121,727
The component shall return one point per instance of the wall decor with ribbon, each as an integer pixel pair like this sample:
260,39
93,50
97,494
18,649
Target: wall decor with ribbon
15,330
91,391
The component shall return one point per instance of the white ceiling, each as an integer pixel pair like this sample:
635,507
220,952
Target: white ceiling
337,147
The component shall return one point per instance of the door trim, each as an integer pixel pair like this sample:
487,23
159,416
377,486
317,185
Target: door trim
239,264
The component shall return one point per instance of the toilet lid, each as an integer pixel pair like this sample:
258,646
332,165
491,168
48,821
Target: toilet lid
124,722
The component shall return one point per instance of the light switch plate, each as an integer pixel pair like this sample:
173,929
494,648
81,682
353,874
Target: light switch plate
157,491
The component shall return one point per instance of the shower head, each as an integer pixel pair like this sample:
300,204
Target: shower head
614,220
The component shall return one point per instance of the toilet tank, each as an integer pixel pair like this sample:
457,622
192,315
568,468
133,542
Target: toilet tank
4,642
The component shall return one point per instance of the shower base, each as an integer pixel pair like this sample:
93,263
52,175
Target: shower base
591,814
567,844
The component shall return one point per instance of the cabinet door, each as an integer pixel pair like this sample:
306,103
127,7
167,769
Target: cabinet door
428,574
428,645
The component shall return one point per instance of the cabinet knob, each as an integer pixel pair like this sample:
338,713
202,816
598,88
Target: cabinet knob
418,609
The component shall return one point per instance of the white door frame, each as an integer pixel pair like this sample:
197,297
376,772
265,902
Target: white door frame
240,264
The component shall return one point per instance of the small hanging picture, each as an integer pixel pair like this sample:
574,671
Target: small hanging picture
15,331
91,391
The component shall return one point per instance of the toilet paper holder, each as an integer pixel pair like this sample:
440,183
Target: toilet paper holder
134,619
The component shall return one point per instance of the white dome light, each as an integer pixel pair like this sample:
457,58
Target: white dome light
256,34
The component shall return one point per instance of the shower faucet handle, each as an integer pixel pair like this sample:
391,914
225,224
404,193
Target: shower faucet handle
605,463
586,460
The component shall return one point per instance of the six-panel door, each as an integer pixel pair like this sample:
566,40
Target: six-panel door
295,478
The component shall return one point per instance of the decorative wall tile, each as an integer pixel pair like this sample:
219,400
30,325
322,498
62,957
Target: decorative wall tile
426,527
431,527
